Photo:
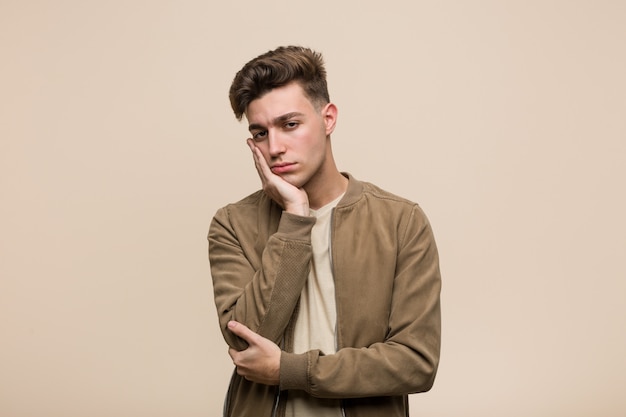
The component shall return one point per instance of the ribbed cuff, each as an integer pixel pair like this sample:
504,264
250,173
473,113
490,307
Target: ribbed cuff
294,371
295,227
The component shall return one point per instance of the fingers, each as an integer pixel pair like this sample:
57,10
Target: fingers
242,331
255,157
260,362
252,147
270,181
260,163
285,194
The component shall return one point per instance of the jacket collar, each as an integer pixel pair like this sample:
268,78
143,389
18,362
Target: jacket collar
353,192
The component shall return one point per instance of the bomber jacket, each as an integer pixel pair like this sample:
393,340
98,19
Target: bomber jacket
387,284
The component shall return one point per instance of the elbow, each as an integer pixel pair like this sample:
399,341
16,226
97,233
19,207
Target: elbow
425,375
429,381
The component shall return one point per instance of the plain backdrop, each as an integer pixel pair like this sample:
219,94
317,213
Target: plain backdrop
505,120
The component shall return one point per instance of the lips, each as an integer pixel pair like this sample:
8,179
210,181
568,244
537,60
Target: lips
283,167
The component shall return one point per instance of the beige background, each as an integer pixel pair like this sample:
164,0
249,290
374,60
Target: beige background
505,120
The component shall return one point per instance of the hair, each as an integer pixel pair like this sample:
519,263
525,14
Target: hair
275,69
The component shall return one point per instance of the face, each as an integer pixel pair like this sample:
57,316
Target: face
292,134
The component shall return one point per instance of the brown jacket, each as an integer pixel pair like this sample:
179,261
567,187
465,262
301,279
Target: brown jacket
387,285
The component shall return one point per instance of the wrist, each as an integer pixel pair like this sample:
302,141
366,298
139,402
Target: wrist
299,209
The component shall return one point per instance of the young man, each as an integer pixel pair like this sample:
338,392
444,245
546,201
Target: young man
327,288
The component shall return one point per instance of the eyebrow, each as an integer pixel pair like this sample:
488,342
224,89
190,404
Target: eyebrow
277,120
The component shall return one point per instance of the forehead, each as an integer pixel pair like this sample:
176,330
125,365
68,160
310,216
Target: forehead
277,102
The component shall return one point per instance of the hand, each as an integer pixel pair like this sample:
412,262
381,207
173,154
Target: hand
260,362
289,197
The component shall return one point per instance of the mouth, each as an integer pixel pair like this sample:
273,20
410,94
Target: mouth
283,167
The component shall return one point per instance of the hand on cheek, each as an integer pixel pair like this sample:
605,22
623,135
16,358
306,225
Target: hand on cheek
290,198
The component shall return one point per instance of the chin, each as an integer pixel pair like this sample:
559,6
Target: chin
294,180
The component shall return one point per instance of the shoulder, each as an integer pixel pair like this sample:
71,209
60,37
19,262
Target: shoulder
245,210
373,191
380,206
363,192
250,202
254,213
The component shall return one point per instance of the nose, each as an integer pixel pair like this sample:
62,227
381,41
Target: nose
276,144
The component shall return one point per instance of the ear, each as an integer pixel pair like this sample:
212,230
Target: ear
329,113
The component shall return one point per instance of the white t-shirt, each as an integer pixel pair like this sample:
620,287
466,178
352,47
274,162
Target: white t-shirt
317,316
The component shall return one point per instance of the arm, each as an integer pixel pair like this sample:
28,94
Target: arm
260,292
406,360
262,295
260,362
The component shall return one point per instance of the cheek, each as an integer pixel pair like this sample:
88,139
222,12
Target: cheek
313,141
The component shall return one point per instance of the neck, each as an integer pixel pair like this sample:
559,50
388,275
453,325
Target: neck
324,190
327,184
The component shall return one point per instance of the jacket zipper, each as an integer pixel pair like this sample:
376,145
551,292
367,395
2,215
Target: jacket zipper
276,401
277,396
332,268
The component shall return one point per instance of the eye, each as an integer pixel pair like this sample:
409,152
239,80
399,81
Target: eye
260,135
291,125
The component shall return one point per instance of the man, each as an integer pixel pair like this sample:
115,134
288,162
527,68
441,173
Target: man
327,288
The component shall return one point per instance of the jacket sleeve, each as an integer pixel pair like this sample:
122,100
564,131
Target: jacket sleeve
262,297
407,360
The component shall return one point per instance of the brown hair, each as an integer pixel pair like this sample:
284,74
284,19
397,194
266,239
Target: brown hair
278,68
